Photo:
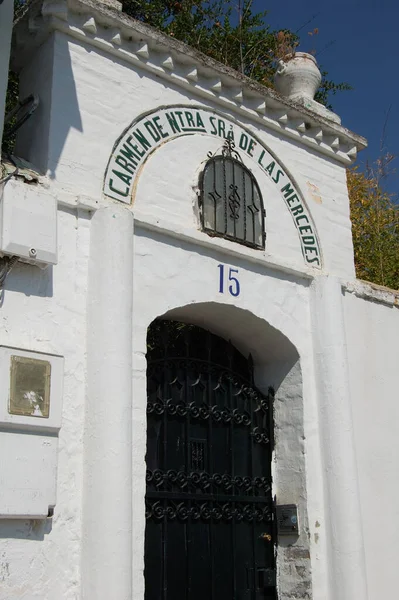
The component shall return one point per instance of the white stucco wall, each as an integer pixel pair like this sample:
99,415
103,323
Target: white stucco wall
44,310
42,559
372,331
178,277
288,315
97,109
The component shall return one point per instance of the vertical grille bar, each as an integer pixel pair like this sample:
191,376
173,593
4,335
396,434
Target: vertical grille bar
224,195
209,394
253,212
229,404
214,198
233,188
254,565
164,555
164,464
197,454
187,390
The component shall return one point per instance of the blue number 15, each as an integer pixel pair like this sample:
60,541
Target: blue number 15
234,287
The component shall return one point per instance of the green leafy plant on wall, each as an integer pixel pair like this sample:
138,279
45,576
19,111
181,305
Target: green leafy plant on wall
230,32
375,224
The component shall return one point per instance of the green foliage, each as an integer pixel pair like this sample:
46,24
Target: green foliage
375,225
209,27
19,4
230,33
11,100
12,92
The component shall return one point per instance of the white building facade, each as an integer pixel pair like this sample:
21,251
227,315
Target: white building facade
108,220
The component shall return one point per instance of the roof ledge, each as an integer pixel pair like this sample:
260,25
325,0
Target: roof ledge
101,24
372,292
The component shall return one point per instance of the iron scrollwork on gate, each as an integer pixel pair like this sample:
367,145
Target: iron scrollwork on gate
231,202
209,510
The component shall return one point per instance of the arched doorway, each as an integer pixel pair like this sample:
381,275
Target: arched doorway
209,510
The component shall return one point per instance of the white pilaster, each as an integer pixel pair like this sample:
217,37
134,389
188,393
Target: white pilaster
107,502
347,569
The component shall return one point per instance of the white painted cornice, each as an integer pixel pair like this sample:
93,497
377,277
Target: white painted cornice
144,47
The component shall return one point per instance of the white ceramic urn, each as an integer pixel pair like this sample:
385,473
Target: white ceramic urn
298,76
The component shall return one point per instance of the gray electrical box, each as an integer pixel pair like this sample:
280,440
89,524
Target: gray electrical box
287,519
28,223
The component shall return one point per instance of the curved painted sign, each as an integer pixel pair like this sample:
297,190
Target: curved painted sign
151,130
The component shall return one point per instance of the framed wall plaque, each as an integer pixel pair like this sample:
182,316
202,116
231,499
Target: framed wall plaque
30,381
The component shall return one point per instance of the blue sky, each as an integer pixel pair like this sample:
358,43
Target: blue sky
364,53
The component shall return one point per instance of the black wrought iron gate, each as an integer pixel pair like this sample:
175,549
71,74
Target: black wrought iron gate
209,529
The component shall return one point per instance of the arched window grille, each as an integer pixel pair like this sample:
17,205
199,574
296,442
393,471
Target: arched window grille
231,201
